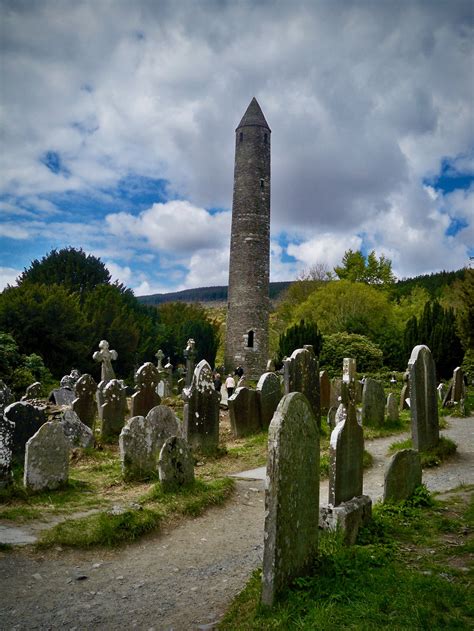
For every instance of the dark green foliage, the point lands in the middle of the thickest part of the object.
(433, 283)
(339, 345)
(297, 336)
(464, 292)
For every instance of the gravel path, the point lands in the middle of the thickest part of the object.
(183, 578)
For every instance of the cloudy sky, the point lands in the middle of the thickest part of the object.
(118, 121)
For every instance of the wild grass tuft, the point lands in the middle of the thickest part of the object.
(445, 449)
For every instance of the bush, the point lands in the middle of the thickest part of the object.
(297, 336)
(368, 355)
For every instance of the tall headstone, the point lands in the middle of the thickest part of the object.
(346, 453)
(6, 451)
(28, 419)
(244, 412)
(349, 380)
(301, 374)
(402, 475)
(201, 410)
(441, 390)
(84, 404)
(405, 393)
(392, 408)
(291, 496)
(373, 403)
(146, 397)
(423, 404)
(336, 391)
(175, 464)
(269, 391)
(190, 357)
(113, 409)
(325, 391)
(457, 393)
(46, 458)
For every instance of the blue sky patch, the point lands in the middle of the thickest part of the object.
(52, 160)
(450, 178)
(457, 224)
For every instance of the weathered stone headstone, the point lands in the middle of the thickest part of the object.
(341, 414)
(46, 458)
(441, 390)
(146, 397)
(62, 396)
(6, 451)
(332, 416)
(346, 453)
(301, 374)
(373, 403)
(325, 391)
(405, 393)
(175, 464)
(105, 356)
(392, 408)
(244, 412)
(402, 475)
(201, 410)
(168, 379)
(113, 409)
(84, 405)
(141, 440)
(291, 496)
(457, 393)
(270, 366)
(336, 389)
(359, 388)
(28, 419)
(190, 357)
(349, 379)
(77, 433)
(33, 391)
(269, 391)
(159, 358)
(423, 404)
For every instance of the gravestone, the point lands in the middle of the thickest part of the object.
(190, 357)
(168, 379)
(77, 433)
(84, 404)
(62, 396)
(402, 475)
(359, 388)
(301, 374)
(392, 408)
(5, 396)
(270, 366)
(244, 412)
(28, 419)
(175, 464)
(113, 409)
(159, 358)
(291, 496)
(423, 404)
(373, 403)
(105, 356)
(46, 458)
(457, 393)
(6, 451)
(201, 410)
(141, 440)
(341, 414)
(33, 391)
(269, 394)
(348, 391)
(325, 391)
(441, 390)
(331, 419)
(146, 397)
(346, 453)
(336, 391)
(405, 393)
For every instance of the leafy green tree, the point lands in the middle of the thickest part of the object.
(368, 355)
(10, 356)
(464, 294)
(373, 271)
(297, 336)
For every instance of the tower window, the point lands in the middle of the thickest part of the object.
(241, 136)
(250, 339)
(265, 138)
(262, 185)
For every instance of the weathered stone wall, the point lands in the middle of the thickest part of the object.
(249, 273)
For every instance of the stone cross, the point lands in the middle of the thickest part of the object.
(160, 357)
(106, 357)
(190, 356)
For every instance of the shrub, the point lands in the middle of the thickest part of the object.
(368, 355)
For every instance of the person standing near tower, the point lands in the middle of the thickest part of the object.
(249, 267)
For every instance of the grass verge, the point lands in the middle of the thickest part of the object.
(445, 449)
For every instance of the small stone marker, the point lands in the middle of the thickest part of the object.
(336, 390)
(46, 458)
(325, 391)
(269, 392)
(175, 464)
(62, 396)
(457, 393)
(332, 416)
(113, 409)
(373, 403)
(201, 410)
(346, 453)
(7, 429)
(392, 408)
(146, 397)
(301, 374)
(33, 391)
(423, 404)
(28, 419)
(291, 496)
(84, 404)
(105, 357)
(244, 412)
(441, 390)
(77, 433)
(402, 475)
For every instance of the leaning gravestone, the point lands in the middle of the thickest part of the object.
(373, 403)
(113, 409)
(33, 391)
(28, 419)
(6, 445)
(46, 458)
(402, 475)
(269, 391)
(175, 464)
(392, 408)
(77, 433)
(291, 496)
(423, 404)
(146, 397)
(457, 393)
(301, 374)
(84, 404)
(325, 391)
(201, 410)
(244, 412)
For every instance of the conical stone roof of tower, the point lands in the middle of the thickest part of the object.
(253, 116)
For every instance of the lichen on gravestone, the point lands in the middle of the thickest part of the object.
(46, 458)
(402, 475)
(175, 464)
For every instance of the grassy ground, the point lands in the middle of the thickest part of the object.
(410, 570)
(430, 458)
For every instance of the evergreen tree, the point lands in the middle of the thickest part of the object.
(297, 336)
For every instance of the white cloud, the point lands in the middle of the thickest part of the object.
(327, 248)
(8, 276)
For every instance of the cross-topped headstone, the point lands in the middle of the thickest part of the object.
(160, 357)
(106, 357)
(113, 409)
(190, 356)
(146, 397)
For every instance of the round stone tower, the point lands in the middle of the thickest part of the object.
(249, 270)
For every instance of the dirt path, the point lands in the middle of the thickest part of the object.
(181, 579)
